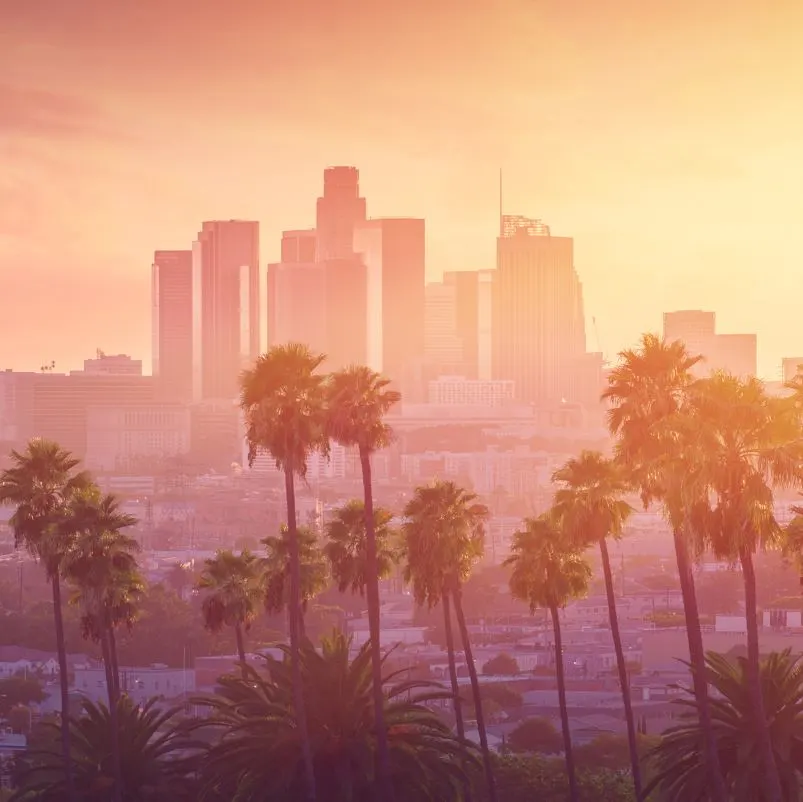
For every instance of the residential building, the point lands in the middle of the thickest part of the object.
(225, 262)
(172, 324)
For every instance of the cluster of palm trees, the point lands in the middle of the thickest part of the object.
(710, 452)
(78, 535)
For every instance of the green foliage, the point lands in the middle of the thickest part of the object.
(680, 772)
(536, 734)
(158, 758)
(503, 665)
(257, 751)
(232, 587)
(19, 690)
(609, 751)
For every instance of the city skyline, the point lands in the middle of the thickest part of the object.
(676, 176)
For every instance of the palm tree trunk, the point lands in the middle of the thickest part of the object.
(773, 788)
(622, 667)
(475, 692)
(564, 709)
(458, 707)
(115, 665)
(117, 791)
(372, 592)
(694, 634)
(238, 634)
(64, 684)
(295, 616)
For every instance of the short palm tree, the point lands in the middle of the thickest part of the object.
(232, 584)
(275, 566)
(284, 400)
(359, 400)
(346, 546)
(590, 504)
(659, 447)
(680, 771)
(548, 571)
(159, 760)
(443, 538)
(40, 484)
(258, 755)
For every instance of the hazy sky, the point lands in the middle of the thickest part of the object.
(665, 137)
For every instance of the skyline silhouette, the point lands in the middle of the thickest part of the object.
(661, 140)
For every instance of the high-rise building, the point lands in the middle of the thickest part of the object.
(443, 348)
(225, 262)
(296, 294)
(538, 325)
(346, 316)
(172, 323)
(734, 353)
(111, 365)
(467, 294)
(339, 210)
(485, 324)
(393, 251)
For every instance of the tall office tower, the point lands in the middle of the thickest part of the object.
(485, 280)
(443, 348)
(225, 263)
(394, 255)
(296, 294)
(466, 285)
(172, 326)
(538, 323)
(693, 327)
(346, 318)
(339, 210)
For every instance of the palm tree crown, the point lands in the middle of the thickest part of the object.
(346, 546)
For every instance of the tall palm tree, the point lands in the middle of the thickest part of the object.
(102, 566)
(40, 483)
(444, 536)
(752, 444)
(275, 567)
(346, 546)
(284, 400)
(680, 771)
(257, 754)
(233, 588)
(359, 399)
(548, 572)
(648, 392)
(590, 504)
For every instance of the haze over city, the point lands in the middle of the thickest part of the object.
(662, 138)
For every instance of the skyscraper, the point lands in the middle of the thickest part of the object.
(538, 326)
(172, 326)
(225, 263)
(693, 327)
(393, 252)
(296, 294)
(339, 210)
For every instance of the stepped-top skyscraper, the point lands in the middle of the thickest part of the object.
(538, 327)
(338, 212)
(225, 263)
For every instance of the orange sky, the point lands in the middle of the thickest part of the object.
(665, 137)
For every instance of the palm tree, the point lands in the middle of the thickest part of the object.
(649, 396)
(284, 401)
(346, 547)
(41, 483)
(232, 583)
(158, 758)
(102, 566)
(751, 444)
(258, 755)
(359, 399)
(590, 505)
(275, 567)
(444, 536)
(548, 572)
(680, 770)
